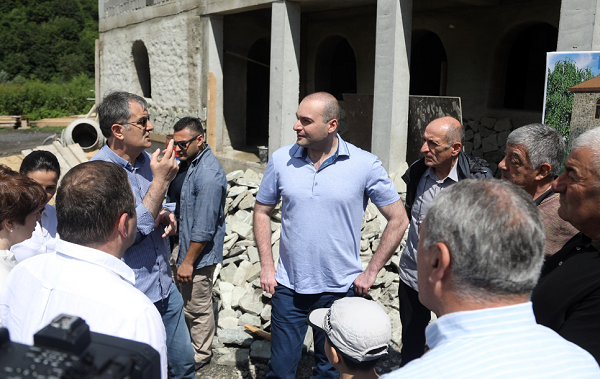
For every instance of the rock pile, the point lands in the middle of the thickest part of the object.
(238, 297)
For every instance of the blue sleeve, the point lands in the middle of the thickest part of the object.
(145, 221)
(210, 189)
(268, 192)
(380, 187)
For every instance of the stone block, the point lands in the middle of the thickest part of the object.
(477, 153)
(235, 251)
(476, 141)
(474, 124)
(251, 303)
(237, 294)
(399, 183)
(228, 272)
(307, 345)
(252, 175)
(228, 313)
(247, 182)
(502, 137)
(275, 251)
(260, 350)
(241, 273)
(227, 322)
(246, 243)
(493, 157)
(226, 290)
(230, 240)
(236, 260)
(235, 337)
(249, 319)
(234, 175)
(266, 312)
(243, 216)
(488, 122)
(275, 236)
(238, 358)
(247, 202)
(364, 245)
(503, 125)
(490, 143)
(241, 228)
(253, 254)
(469, 134)
(485, 132)
(254, 272)
(468, 147)
(236, 191)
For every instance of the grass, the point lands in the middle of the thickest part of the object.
(50, 129)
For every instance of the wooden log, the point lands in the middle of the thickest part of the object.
(258, 332)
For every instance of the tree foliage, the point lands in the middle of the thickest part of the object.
(559, 100)
(49, 40)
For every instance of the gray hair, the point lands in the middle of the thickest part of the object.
(114, 109)
(495, 236)
(544, 144)
(590, 140)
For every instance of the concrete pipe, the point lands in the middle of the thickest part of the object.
(85, 132)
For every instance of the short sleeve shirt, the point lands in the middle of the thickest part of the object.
(322, 212)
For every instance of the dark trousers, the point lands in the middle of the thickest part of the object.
(288, 328)
(414, 317)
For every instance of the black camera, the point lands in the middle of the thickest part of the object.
(67, 349)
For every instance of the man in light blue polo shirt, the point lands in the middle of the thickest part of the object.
(325, 184)
(479, 258)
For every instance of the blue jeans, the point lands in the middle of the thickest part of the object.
(180, 353)
(288, 328)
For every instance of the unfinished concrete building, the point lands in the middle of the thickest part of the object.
(242, 65)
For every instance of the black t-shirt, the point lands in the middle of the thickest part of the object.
(174, 191)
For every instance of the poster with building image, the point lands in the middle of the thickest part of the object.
(572, 92)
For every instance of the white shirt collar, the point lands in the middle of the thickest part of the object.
(96, 257)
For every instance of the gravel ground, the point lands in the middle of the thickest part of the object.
(12, 142)
(258, 369)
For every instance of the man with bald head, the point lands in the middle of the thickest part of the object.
(324, 184)
(442, 165)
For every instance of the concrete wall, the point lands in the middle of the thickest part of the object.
(477, 42)
(174, 52)
(584, 110)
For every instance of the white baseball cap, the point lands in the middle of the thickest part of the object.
(357, 327)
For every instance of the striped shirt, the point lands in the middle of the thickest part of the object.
(504, 342)
(149, 255)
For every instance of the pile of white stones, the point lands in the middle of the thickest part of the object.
(238, 297)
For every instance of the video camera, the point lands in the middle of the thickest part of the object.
(67, 349)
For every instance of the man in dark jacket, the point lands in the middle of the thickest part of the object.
(442, 165)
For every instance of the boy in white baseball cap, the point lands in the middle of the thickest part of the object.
(358, 333)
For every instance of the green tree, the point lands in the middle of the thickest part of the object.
(559, 100)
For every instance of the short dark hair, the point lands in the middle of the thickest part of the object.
(19, 196)
(192, 123)
(40, 160)
(352, 364)
(114, 109)
(90, 201)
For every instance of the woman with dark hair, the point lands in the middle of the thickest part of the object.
(41, 166)
(21, 202)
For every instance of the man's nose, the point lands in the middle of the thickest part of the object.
(149, 126)
(424, 148)
(502, 164)
(297, 126)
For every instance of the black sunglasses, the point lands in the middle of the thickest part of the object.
(141, 124)
(183, 144)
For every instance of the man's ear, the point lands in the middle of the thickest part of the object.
(439, 261)
(117, 131)
(200, 140)
(335, 356)
(123, 225)
(332, 126)
(456, 146)
(543, 171)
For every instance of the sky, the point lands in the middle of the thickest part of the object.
(582, 59)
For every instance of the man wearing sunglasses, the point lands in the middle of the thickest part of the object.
(199, 190)
(124, 121)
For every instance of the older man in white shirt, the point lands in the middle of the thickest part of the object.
(85, 277)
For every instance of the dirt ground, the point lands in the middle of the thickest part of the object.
(12, 142)
(258, 369)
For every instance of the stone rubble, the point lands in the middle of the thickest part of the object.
(237, 294)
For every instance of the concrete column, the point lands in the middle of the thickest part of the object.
(285, 73)
(215, 123)
(392, 79)
(579, 26)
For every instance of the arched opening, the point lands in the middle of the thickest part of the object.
(597, 113)
(428, 65)
(142, 67)
(335, 70)
(526, 66)
(257, 93)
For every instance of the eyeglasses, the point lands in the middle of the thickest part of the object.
(183, 144)
(141, 124)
